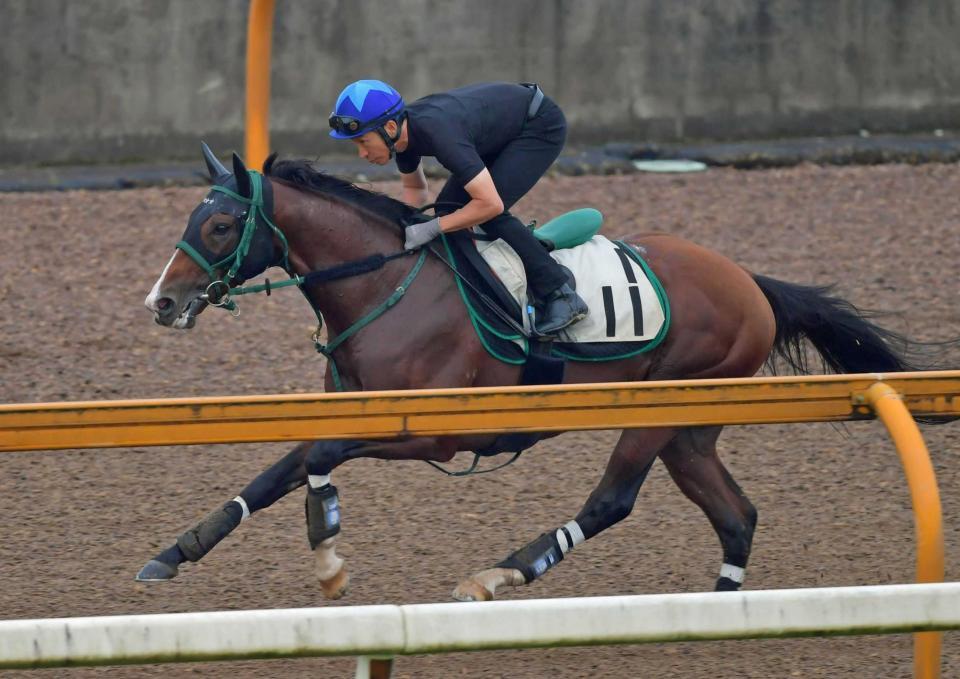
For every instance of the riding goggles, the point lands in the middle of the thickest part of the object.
(344, 124)
(349, 125)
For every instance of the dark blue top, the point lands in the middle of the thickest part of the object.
(465, 128)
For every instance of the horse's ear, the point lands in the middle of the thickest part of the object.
(243, 179)
(218, 171)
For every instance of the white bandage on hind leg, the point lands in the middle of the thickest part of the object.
(243, 506)
(734, 573)
(318, 480)
(569, 536)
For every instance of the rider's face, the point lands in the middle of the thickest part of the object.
(371, 147)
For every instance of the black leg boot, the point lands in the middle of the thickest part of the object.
(563, 307)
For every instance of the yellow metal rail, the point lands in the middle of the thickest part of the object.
(102, 424)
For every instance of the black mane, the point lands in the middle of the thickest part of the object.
(302, 174)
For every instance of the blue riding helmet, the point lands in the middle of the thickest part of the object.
(364, 106)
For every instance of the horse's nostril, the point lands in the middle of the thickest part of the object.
(164, 303)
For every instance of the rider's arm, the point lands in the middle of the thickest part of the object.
(485, 204)
(414, 187)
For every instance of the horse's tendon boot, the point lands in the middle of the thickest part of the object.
(197, 541)
(323, 514)
(536, 558)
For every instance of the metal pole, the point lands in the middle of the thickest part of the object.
(928, 519)
(257, 128)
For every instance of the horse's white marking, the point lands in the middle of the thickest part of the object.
(734, 573)
(318, 480)
(491, 579)
(328, 563)
(243, 505)
(154, 296)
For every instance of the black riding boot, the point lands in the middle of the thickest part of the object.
(547, 280)
(563, 307)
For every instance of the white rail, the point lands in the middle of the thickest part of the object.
(439, 628)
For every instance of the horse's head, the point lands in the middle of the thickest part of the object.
(228, 240)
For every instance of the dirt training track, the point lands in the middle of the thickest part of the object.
(834, 507)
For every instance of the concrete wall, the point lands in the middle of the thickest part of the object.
(113, 80)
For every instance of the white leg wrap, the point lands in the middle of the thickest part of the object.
(565, 546)
(318, 480)
(576, 536)
(243, 505)
(734, 573)
(574, 529)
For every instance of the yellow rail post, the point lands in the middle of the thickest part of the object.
(256, 125)
(921, 479)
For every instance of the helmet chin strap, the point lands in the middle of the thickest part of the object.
(392, 141)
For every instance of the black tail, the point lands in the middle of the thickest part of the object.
(844, 336)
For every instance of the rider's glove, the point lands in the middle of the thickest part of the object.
(421, 234)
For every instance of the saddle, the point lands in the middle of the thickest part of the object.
(629, 309)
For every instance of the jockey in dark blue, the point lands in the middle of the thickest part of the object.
(496, 139)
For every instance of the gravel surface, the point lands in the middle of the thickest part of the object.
(834, 507)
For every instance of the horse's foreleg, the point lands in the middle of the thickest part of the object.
(611, 501)
(323, 502)
(271, 485)
(693, 463)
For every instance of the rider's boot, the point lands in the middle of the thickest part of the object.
(563, 307)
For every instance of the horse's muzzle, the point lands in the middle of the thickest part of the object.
(167, 314)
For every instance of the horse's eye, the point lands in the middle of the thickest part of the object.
(221, 229)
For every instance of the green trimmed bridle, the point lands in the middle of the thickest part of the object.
(235, 260)
(232, 262)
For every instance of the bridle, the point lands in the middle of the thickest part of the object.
(218, 293)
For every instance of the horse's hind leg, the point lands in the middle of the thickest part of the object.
(692, 461)
(611, 501)
(271, 485)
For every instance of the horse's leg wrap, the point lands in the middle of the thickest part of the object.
(199, 540)
(536, 558)
(731, 577)
(323, 514)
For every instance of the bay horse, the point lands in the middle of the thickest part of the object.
(726, 322)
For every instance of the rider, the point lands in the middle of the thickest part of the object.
(496, 139)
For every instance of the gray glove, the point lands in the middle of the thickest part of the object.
(421, 234)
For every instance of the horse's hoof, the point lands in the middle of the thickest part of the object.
(471, 590)
(157, 571)
(337, 586)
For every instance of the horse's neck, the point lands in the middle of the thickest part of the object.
(324, 233)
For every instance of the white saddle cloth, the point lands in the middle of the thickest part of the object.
(623, 304)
